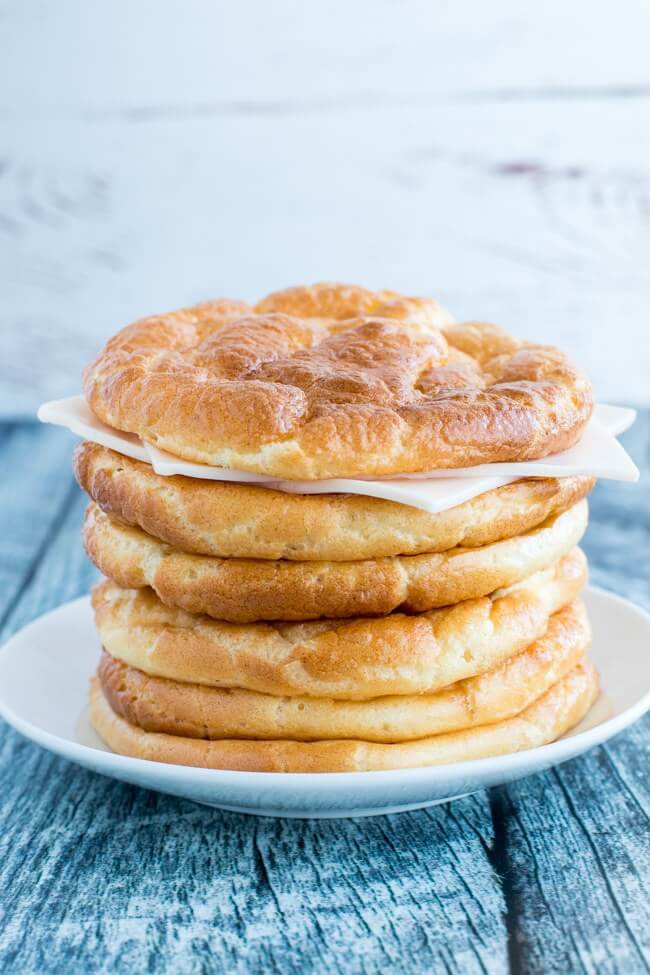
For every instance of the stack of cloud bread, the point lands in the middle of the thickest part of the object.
(248, 628)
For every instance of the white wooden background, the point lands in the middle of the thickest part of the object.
(158, 152)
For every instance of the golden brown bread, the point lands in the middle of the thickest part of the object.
(245, 521)
(546, 719)
(197, 711)
(345, 660)
(336, 380)
(245, 590)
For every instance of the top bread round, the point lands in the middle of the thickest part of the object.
(336, 381)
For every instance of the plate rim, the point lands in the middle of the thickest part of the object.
(552, 753)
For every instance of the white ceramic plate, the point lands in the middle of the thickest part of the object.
(44, 673)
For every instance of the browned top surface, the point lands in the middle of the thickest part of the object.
(336, 380)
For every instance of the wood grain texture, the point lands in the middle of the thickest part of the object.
(494, 156)
(574, 844)
(151, 160)
(548, 875)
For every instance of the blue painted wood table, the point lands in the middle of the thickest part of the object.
(551, 874)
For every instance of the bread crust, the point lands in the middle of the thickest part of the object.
(356, 659)
(335, 380)
(195, 711)
(246, 590)
(547, 718)
(245, 521)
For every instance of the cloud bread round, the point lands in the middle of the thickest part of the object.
(546, 719)
(348, 660)
(239, 520)
(336, 380)
(245, 590)
(195, 711)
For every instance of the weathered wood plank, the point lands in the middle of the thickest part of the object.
(577, 861)
(36, 489)
(618, 538)
(106, 877)
(575, 843)
(63, 571)
(99, 876)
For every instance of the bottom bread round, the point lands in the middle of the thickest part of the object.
(549, 716)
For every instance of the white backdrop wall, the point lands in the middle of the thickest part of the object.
(157, 153)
